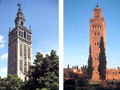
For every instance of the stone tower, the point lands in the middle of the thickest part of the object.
(97, 30)
(19, 47)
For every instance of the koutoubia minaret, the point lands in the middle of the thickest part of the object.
(97, 30)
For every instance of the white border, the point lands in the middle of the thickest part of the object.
(60, 44)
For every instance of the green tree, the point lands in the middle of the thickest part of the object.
(90, 68)
(68, 66)
(12, 82)
(2, 84)
(84, 68)
(69, 84)
(77, 67)
(53, 73)
(44, 73)
(102, 62)
(82, 82)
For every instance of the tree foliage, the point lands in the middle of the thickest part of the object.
(12, 82)
(77, 67)
(68, 66)
(84, 69)
(90, 68)
(102, 62)
(44, 73)
(69, 84)
(82, 82)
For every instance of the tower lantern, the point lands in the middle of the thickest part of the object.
(97, 12)
(20, 19)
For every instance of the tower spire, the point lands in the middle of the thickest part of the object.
(19, 5)
(20, 19)
(97, 4)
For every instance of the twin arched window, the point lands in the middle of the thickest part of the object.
(96, 34)
(96, 58)
(96, 43)
(96, 26)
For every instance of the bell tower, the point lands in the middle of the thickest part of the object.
(97, 30)
(19, 47)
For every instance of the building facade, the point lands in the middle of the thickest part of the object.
(19, 47)
(97, 30)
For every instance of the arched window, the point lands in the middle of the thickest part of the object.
(21, 23)
(19, 33)
(95, 33)
(95, 43)
(24, 34)
(95, 26)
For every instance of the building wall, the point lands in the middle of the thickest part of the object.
(24, 58)
(113, 74)
(77, 71)
(110, 74)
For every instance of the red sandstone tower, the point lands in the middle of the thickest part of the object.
(97, 30)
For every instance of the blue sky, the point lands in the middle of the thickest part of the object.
(42, 15)
(76, 31)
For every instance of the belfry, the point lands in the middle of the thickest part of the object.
(19, 47)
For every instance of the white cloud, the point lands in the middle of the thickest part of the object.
(44, 54)
(2, 39)
(4, 70)
(4, 56)
(1, 45)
